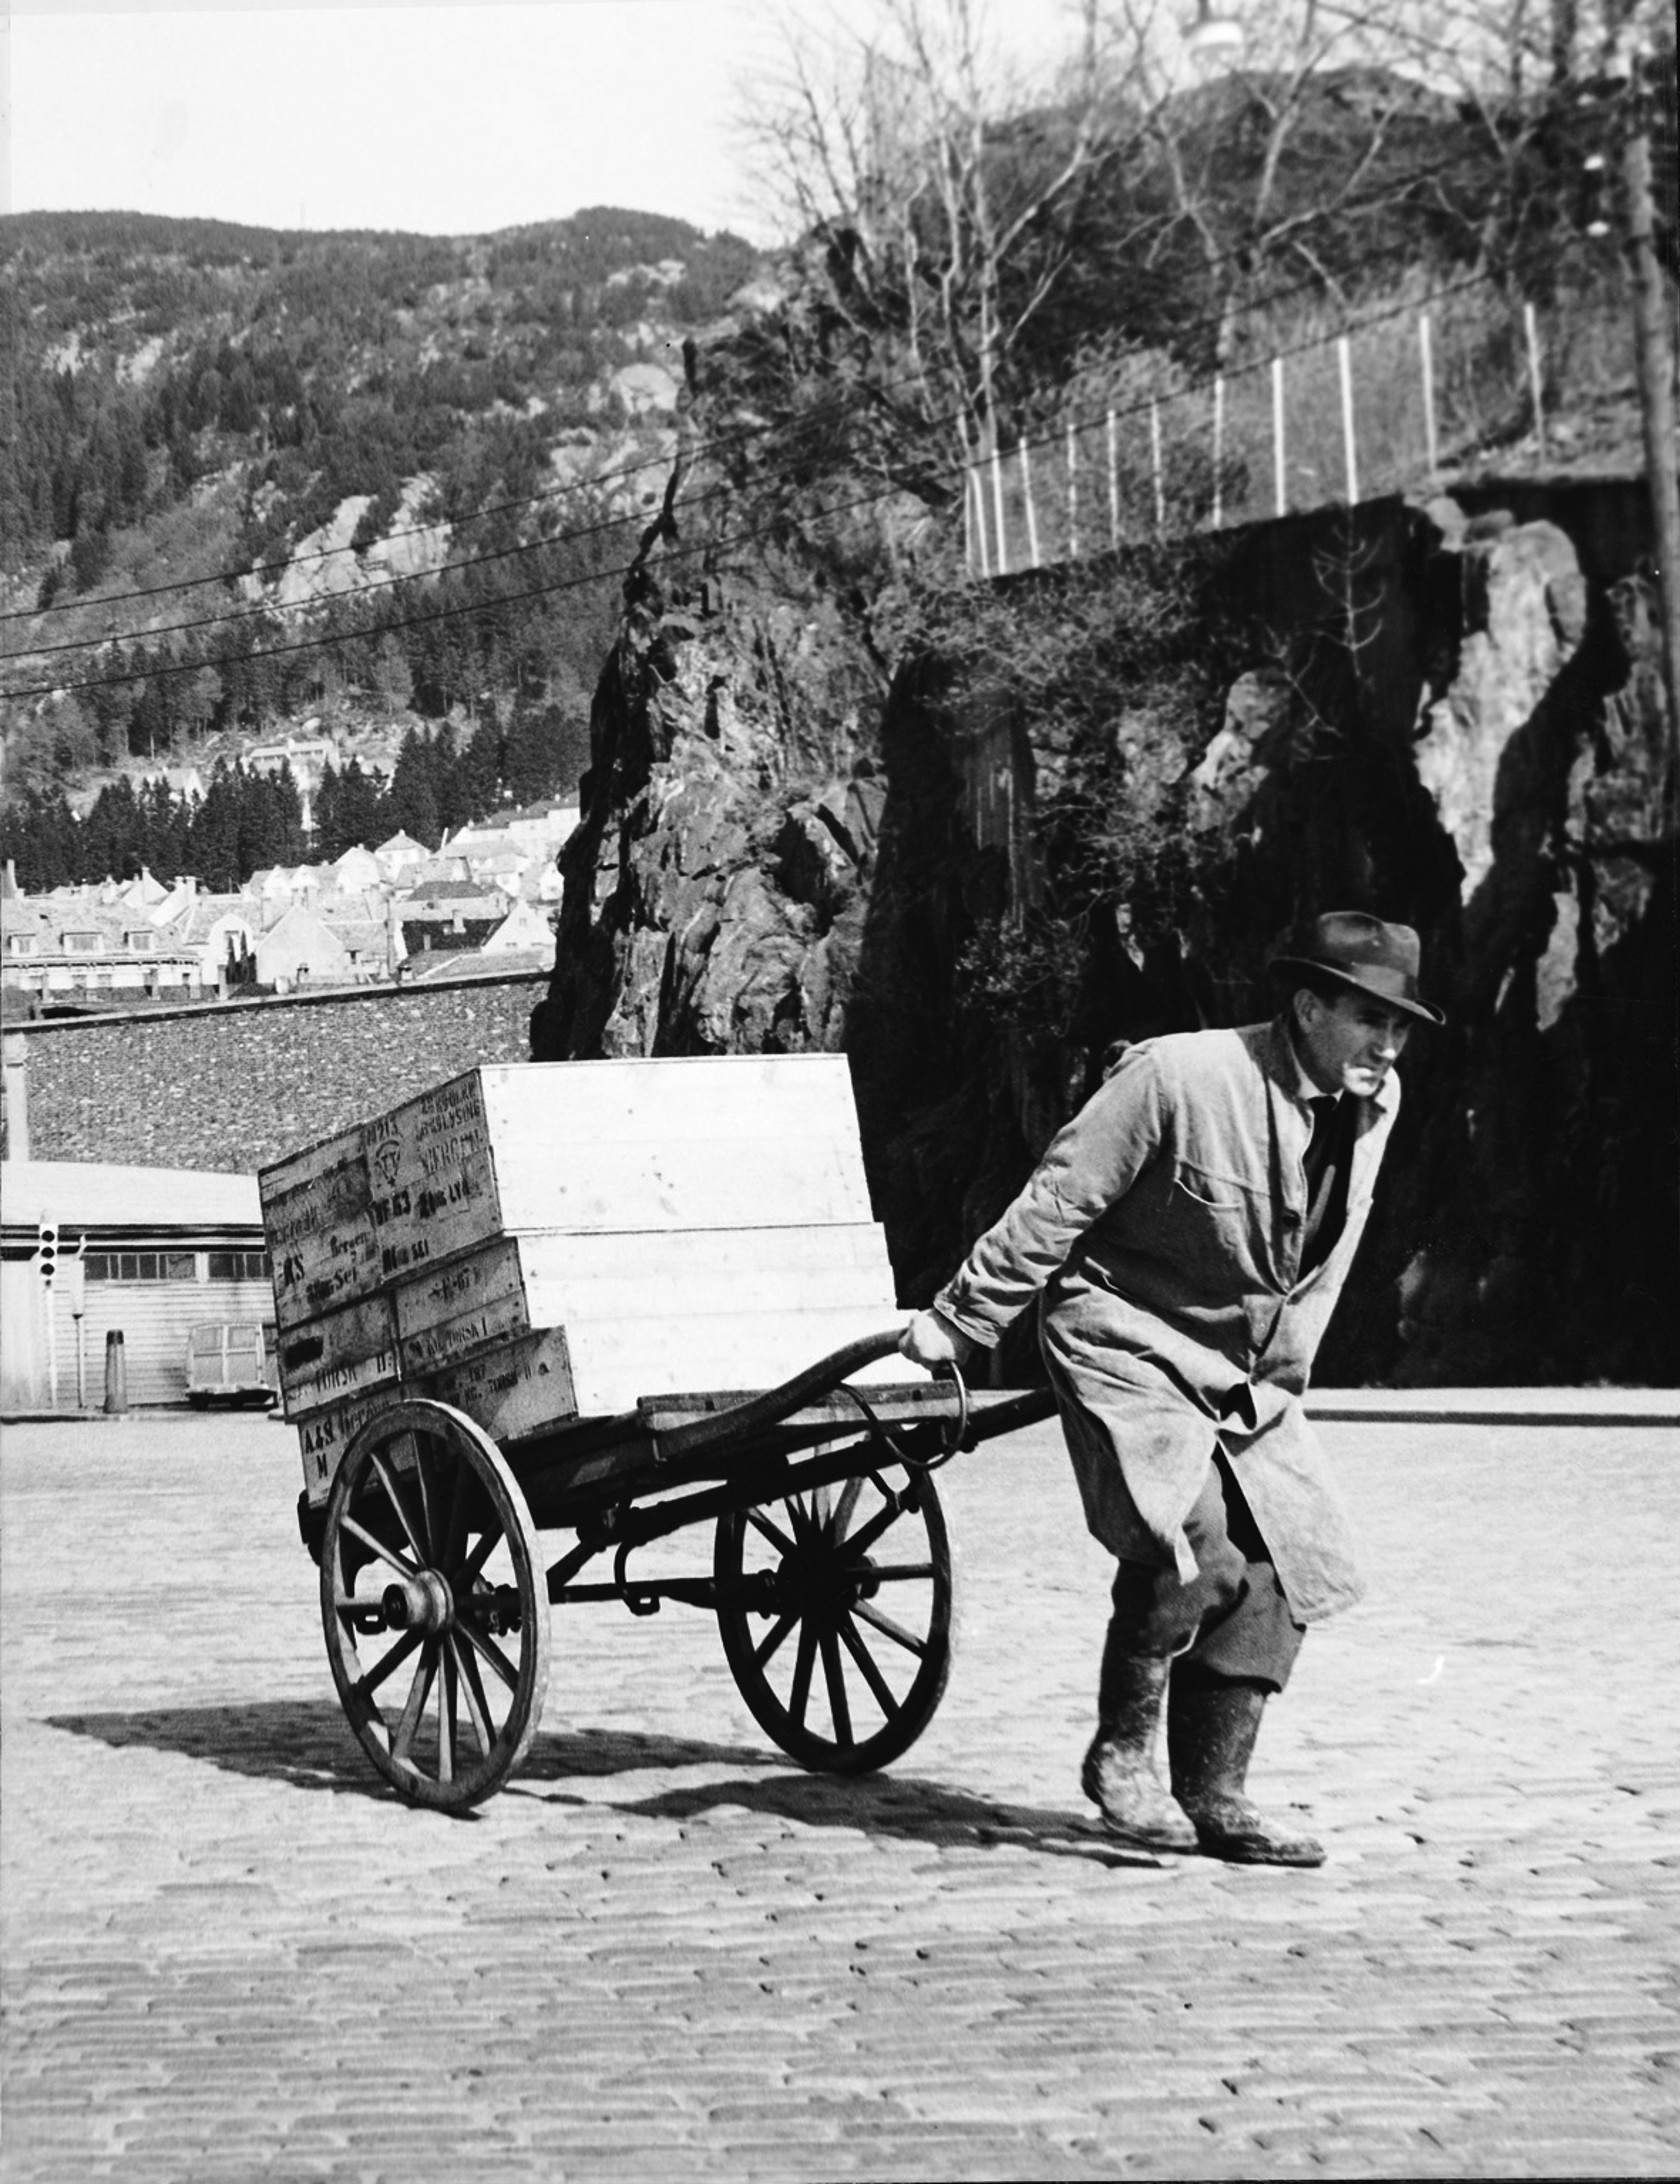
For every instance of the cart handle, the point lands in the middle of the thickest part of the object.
(775, 1404)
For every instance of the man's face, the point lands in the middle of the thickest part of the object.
(1349, 1044)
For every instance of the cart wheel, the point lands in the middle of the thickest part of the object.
(435, 1605)
(836, 1614)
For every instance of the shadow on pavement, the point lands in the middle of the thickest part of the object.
(307, 1744)
(907, 1806)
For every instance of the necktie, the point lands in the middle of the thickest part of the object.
(1322, 1142)
(1320, 1233)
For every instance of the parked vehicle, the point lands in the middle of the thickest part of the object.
(229, 1363)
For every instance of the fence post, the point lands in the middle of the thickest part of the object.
(1531, 333)
(997, 505)
(1426, 360)
(1155, 462)
(1113, 488)
(1073, 494)
(1032, 513)
(1279, 466)
(1218, 449)
(116, 1372)
(1344, 358)
(968, 510)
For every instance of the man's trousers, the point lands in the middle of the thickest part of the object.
(1231, 1620)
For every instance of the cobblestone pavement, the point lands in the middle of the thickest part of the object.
(664, 1951)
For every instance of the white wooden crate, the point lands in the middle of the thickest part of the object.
(546, 1240)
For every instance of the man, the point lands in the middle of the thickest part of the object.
(1191, 1230)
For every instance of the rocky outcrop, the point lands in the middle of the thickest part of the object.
(717, 887)
(790, 840)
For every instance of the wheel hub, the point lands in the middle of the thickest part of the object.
(825, 1585)
(422, 1602)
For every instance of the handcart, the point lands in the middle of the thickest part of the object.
(473, 1291)
(830, 1571)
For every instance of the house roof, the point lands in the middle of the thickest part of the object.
(303, 922)
(199, 918)
(90, 1195)
(432, 897)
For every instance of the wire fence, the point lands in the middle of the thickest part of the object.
(1396, 402)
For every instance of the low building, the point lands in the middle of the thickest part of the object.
(161, 1251)
(301, 948)
(524, 932)
(72, 947)
(450, 916)
(357, 872)
(399, 858)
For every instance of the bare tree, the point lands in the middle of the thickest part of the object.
(950, 187)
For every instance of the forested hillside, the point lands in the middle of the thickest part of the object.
(241, 462)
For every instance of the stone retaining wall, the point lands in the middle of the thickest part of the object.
(234, 1087)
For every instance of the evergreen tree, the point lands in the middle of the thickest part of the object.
(39, 837)
(478, 770)
(413, 797)
(213, 838)
(113, 833)
(362, 813)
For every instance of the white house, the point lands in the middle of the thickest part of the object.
(524, 931)
(400, 856)
(302, 948)
(358, 871)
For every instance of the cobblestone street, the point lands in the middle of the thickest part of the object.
(230, 1953)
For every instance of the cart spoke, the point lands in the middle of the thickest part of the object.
(800, 1696)
(895, 1631)
(397, 1503)
(446, 1717)
(478, 1709)
(432, 1542)
(398, 1561)
(867, 1534)
(491, 1653)
(834, 1676)
(868, 1667)
(417, 1695)
(467, 1576)
(455, 1532)
(845, 1509)
(899, 1573)
(773, 1533)
(365, 1686)
(762, 1653)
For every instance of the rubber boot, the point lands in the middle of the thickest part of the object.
(1119, 1774)
(1212, 1723)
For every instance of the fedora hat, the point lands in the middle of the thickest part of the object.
(1360, 951)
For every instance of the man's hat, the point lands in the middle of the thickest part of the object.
(1357, 950)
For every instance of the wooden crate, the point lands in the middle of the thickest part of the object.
(549, 1240)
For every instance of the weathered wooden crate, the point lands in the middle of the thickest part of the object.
(542, 1241)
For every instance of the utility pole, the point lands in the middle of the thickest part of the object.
(1655, 361)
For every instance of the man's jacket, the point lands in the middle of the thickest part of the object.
(1164, 1229)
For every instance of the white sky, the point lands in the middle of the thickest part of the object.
(445, 119)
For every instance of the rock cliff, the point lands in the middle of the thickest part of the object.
(799, 834)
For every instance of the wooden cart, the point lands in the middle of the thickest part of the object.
(830, 1571)
(484, 1301)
